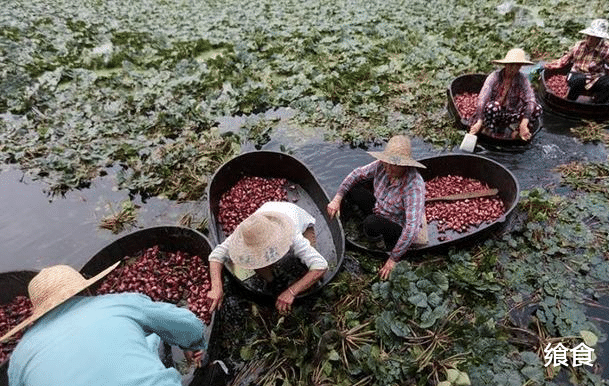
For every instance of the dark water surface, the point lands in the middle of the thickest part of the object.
(37, 231)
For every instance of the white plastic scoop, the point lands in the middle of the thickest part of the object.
(469, 143)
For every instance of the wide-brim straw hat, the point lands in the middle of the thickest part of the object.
(51, 287)
(397, 152)
(598, 28)
(261, 240)
(514, 56)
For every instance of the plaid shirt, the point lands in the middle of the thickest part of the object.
(592, 62)
(402, 201)
(520, 96)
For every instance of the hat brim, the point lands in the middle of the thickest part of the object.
(503, 61)
(396, 160)
(274, 248)
(595, 33)
(31, 319)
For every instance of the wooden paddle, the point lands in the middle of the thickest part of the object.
(463, 196)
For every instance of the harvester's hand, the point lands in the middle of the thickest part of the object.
(334, 206)
(215, 295)
(193, 357)
(387, 268)
(476, 127)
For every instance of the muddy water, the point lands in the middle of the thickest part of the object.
(37, 231)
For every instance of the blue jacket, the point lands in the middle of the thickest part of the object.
(102, 340)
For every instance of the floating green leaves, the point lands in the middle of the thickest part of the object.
(108, 80)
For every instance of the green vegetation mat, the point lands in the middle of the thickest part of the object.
(140, 86)
(481, 316)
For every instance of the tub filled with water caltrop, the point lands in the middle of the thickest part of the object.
(451, 220)
(166, 263)
(243, 184)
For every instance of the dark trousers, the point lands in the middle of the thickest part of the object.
(577, 85)
(375, 226)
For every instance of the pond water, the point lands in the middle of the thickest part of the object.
(37, 230)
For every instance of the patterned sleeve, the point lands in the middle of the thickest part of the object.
(528, 95)
(359, 174)
(414, 205)
(605, 56)
(484, 96)
(564, 60)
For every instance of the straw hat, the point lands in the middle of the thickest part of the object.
(514, 56)
(598, 28)
(53, 286)
(397, 152)
(261, 240)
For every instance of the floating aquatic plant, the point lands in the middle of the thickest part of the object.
(121, 219)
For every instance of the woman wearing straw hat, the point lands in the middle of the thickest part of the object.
(92, 340)
(396, 208)
(589, 62)
(506, 99)
(261, 241)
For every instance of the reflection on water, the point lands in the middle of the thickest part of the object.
(37, 231)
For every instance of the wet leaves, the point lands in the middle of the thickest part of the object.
(91, 78)
(123, 218)
(486, 311)
(139, 88)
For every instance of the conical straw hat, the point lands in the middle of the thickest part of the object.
(514, 56)
(53, 286)
(397, 152)
(261, 240)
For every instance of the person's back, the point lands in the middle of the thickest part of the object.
(102, 340)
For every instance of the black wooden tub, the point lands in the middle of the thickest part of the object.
(12, 284)
(466, 165)
(581, 108)
(169, 239)
(472, 83)
(306, 192)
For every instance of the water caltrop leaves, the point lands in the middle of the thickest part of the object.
(138, 88)
(89, 76)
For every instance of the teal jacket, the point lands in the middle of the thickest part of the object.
(103, 340)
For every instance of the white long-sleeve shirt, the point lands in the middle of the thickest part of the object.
(301, 247)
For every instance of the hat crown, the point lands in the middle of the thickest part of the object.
(260, 240)
(516, 53)
(514, 56)
(54, 284)
(397, 152)
(598, 27)
(398, 145)
(253, 230)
